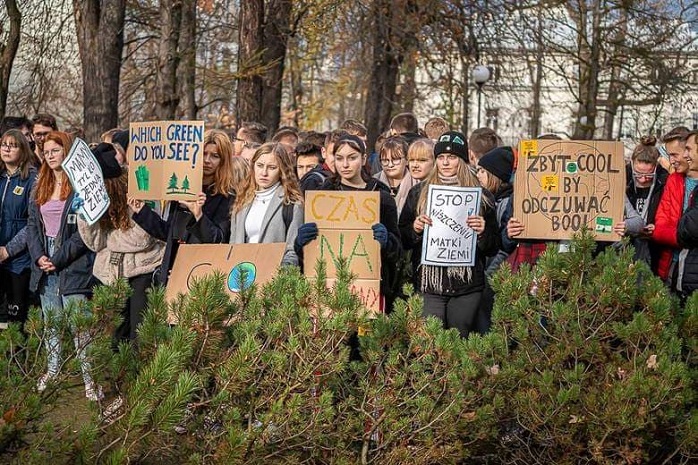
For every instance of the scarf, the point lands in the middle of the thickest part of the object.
(448, 180)
(405, 185)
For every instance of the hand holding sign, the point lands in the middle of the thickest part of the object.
(420, 222)
(514, 228)
(195, 206)
(476, 223)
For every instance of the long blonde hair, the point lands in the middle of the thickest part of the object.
(466, 178)
(289, 181)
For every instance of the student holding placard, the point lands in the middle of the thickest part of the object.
(123, 249)
(200, 221)
(17, 175)
(349, 158)
(268, 209)
(61, 262)
(451, 293)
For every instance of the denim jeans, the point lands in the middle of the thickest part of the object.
(53, 308)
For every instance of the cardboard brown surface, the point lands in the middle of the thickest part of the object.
(560, 186)
(342, 209)
(166, 160)
(344, 220)
(357, 246)
(197, 260)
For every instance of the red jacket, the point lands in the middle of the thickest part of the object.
(666, 221)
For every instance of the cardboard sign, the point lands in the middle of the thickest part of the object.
(242, 265)
(344, 222)
(449, 241)
(87, 180)
(166, 160)
(562, 186)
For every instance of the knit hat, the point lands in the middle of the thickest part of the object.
(354, 139)
(106, 157)
(499, 161)
(121, 138)
(452, 142)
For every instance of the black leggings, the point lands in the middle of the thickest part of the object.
(132, 312)
(456, 312)
(14, 290)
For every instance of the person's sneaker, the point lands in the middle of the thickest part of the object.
(93, 393)
(43, 381)
(4, 325)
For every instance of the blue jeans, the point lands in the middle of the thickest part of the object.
(53, 308)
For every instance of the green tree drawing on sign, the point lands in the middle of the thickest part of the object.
(173, 182)
(185, 183)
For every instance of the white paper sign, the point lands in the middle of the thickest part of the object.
(85, 176)
(449, 241)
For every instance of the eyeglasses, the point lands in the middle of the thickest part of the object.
(638, 175)
(9, 146)
(391, 161)
(53, 152)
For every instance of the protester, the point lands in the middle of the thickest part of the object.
(249, 133)
(17, 176)
(42, 125)
(481, 141)
(673, 203)
(123, 249)
(436, 127)
(61, 262)
(646, 180)
(350, 157)
(204, 220)
(451, 293)
(405, 125)
(25, 126)
(395, 175)
(309, 167)
(685, 275)
(288, 136)
(420, 159)
(269, 208)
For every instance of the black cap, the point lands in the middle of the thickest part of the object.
(106, 157)
(452, 142)
(499, 161)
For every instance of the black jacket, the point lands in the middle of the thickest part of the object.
(314, 179)
(686, 270)
(72, 259)
(487, 245)
(181, 228)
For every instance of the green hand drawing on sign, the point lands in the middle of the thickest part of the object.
(143, 178)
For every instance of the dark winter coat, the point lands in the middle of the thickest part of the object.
(72, 258)
(180, 227)
(502, 200)
(686, 272)
(314, 179)
(644, 248)
(487, 245)
(14, 214)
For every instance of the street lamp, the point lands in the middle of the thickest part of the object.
(481, 74)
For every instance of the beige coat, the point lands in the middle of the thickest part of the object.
(121, 254)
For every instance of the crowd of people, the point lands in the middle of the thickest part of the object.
(253, 192)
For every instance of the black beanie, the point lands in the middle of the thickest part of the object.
(106, 157)
(499, 161)
(452, 142)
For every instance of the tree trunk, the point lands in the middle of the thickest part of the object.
(589, 47)
(249, 88)
(100, 31)
(168, 60)
(187, 64)
(537, 76)
(276, 33)
(8, 51)
(408, 91)
(384, 72)
(615, 87)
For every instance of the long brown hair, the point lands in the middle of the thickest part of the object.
(289, 181)
(466, 178)
(117, 215)
(223, 182)
(47, 179)
(26, 156)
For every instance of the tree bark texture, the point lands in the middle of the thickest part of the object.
(276, 34)
(100, 31)
(589, 46)
(249, 88)
(187, 64)
(384, 72)
(8, 51)
(168, 60)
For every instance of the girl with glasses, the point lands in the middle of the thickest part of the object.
(395, 175)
